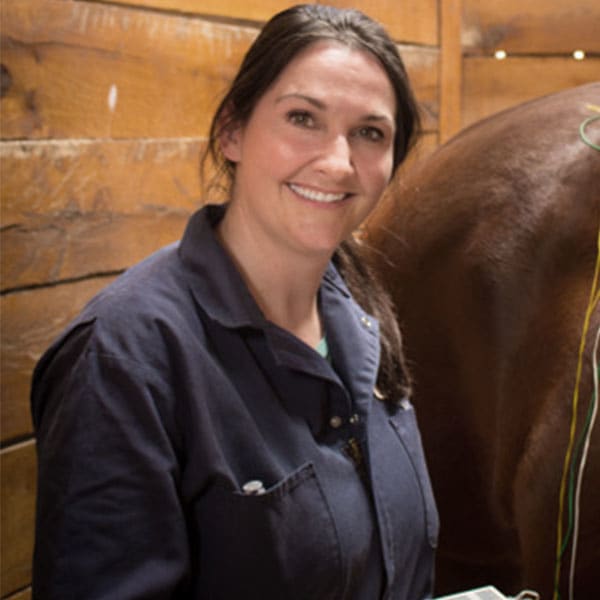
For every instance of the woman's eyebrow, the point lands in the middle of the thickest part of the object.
(316, 103)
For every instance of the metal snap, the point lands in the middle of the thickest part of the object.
(335, 421)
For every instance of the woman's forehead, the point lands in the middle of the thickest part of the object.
(330, 69)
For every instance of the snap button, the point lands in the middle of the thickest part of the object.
(354, 419)
(365, 321)
(335, 421)
(254, 487)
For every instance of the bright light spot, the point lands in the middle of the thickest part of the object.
(579, 55)
(500, 54)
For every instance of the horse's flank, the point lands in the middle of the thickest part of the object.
(488, 248)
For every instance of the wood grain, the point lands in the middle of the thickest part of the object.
(535, 27)
(24, 594)
(423, 68)
(247, 10)
(83, 70)
(74, 208)
(87, 70)
(413, 21)
(450, 69)
(18, 476)
(491, 85)
(407, 21)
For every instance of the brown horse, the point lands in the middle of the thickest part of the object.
(489, 249)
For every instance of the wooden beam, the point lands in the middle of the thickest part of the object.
(534, 27)
(20, 595)
(72, 208)
(246, 10)
(451, 68)
(491, 85)
(18, 475)
(412, 21)
(422, 66)
(89, 70)
(407, 21)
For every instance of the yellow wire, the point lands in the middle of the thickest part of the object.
(594, 298)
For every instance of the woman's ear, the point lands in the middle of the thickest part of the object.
(230, 138)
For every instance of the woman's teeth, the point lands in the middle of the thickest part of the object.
(316, 196)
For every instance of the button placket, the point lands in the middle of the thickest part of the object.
(336, 421)
(339, 410)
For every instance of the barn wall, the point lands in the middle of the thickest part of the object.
(104, 111)
(539, 37)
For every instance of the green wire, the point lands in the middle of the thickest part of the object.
(583, 135)
(572, 472)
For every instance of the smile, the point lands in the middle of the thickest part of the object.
(316, 196)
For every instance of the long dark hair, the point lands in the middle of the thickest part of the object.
(280, 40)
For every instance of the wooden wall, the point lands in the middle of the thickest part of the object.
(104, 111)
(539, 37)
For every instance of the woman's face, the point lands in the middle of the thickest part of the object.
(317, 152)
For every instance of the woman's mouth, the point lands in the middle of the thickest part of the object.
(316, 196)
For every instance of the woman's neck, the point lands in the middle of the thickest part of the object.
(285, 285)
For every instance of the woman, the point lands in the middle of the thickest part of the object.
(223, 421)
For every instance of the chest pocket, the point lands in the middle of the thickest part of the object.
(281, 544)
(404, 423)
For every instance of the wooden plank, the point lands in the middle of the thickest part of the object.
(247, 10)
(413, 21)
(407, 21)
(422, 66)
(71, 177)
(21, 595)
(81, 69)
(451, 69)
(491, 85)
(63, 248)
(30, 321)
(18, 476)
(73, 208)
(533, 27)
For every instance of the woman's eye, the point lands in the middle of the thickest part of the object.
(372, 134)
(301, 118)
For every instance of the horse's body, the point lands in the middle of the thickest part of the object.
(488, 248)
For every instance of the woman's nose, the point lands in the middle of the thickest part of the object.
(336, 158)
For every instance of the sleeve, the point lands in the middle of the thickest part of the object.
(109, 520)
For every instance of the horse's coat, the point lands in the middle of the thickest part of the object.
(488, 248)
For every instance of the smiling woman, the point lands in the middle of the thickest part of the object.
(230, 418)
(309, 168)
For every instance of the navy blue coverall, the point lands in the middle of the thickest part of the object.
(169, 393)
